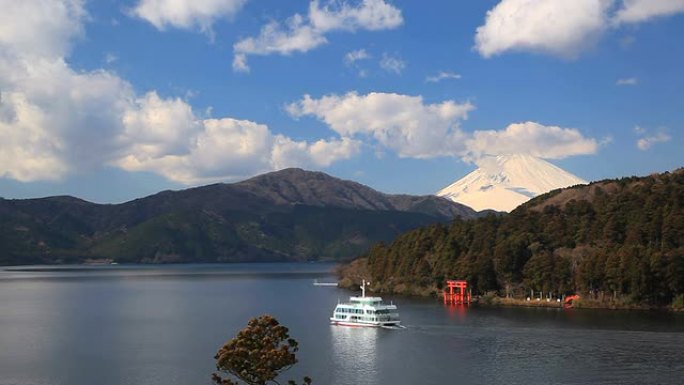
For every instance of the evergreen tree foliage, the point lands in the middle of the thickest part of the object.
(258, 354)
(620, 238)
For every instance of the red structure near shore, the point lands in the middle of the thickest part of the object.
(457, 293)
(569, 300)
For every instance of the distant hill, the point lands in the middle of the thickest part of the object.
(286, 215)
(618, 239)
(504, 182)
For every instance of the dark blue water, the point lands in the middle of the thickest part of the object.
(162, 325)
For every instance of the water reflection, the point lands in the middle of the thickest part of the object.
(457, 312)
(162, 325)
(355, 353)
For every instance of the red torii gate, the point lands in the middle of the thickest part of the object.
(457, 294)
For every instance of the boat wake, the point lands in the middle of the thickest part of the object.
(393, 327)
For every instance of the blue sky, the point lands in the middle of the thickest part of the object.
(113, 100)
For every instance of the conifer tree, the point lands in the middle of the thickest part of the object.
(257, 355)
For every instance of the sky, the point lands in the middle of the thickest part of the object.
(112, 100)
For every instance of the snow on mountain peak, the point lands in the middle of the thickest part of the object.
(504, 182)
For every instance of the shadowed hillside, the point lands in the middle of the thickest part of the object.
(287, 215)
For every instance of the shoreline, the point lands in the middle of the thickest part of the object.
(498, 301)
(579, 304)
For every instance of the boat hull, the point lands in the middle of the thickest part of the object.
(363, 324)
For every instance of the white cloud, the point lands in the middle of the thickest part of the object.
(549, 142)
(561, 28)
(55, 121)
(165, 137)
(155, 127)
(627, 82)
(605, 141)
(44, 29)
(64, 118)
(27, 149)
(442, 76)
(296, 36)
(372, 15)
(240, 63)
(186, 14)
(322, 153)
(411, 128)
(303, 33)
(353, 56)
(636, 11)
(392, 64)
(648, 140)
(217, 149)
(402, 123)
(110, 58)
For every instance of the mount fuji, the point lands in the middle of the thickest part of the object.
(504, 182)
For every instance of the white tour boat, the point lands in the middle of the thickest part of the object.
(365, 311)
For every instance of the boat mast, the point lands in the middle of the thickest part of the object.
(363, 289)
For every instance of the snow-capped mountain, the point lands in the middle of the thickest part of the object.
(504, 182)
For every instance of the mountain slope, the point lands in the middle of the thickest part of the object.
(504, 182)
(297, 186)
(611, 240)
(287, 215)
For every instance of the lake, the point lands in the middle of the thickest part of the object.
(148, 325)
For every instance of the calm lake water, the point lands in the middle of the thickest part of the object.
(147, 325)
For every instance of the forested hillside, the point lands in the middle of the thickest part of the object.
(289, 215)
(617, 239)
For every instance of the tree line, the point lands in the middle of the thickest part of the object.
(619, 238)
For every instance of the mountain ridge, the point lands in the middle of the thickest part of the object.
(348, 194)
(290, 214)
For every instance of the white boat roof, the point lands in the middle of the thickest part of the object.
(366, 299)
(370, 302)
